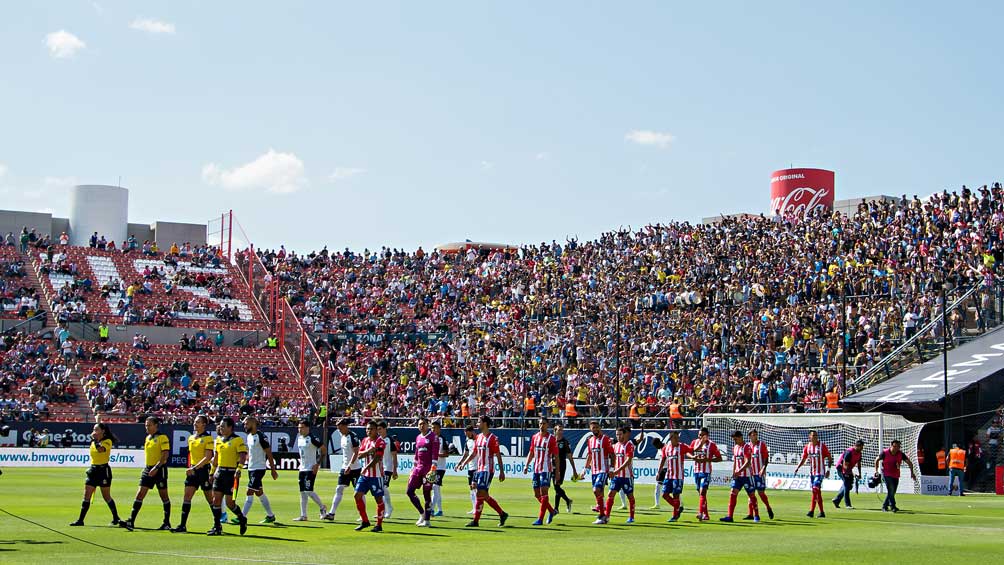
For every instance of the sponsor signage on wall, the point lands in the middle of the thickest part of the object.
(796, 192)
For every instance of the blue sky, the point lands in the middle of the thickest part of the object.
(404, 123)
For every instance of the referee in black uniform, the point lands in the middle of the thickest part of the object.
(564, 454)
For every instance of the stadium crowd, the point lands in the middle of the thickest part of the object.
(748, 313)
(32, 375)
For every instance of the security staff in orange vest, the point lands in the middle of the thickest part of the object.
(956, 469)
(832, 400)
(675, 415)
(570, 412)
(942, 460)
(529, 406)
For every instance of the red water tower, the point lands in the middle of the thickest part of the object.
(796, 192)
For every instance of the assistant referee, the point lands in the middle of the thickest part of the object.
(231, 452)
(156, 450)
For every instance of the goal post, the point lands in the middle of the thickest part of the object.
(787, 434)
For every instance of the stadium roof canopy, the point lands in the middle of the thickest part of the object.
(979, 363)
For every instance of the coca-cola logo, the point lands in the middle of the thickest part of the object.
(799, 202)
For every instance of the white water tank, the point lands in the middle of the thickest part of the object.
(98, 208)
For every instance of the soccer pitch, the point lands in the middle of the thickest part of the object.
(928, 530)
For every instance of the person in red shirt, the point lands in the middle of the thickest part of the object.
(850, 458)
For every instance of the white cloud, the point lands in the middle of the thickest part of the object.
(3, 169)
(344, 173)
(542, 156)
(487, 165)
(97, 7)
(63, 44)
(152, 26)
(56, 183)
(648, 137)
(279, 173)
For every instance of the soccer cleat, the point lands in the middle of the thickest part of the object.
(387, 516)
(235, 521)
(215, 532)
(629, 520)
(362, 526)
(748, 517)
(268, 520)
(623, 507)
(115, 522)
(471, 524)
(568, 506)
(756, 519)
(599, 521)
(895, 509)
(438, 513)
(244, 525)
(126, 524)
(770, 512)
(502, 518)
(884, 509)
(551, 515)
(377, 528)
(836, 503)
(849, 507)
(165, 526)
(421, 522)
(595, 509)
(223, 517)
(537, 523)
(656, 507)
(470, 511)
(725, 519)
(329, 517)
(179, 530)
(77, 523)
(300, 519)
(822, 514)
(810, 514)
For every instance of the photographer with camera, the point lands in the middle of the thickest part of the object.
(845, 469)
(891, 459)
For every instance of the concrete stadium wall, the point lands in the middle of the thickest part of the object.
(13, 221)
(98, 208)
(178, 232)
(143, 232)
(159, 335)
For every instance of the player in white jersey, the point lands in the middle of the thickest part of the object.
(350, 465)
(311, 451)
(260, 460)
(389, 465)
(437, 484)
(468, 453)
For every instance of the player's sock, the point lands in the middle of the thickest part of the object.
(247, 504)
(361, 506)
(812, 508)
(266, 505)
(609, 505)
(658, 493)
(303, 503)
(136, 505)
(186, 507)
(415, 502)
(86, 504)
(631, 505)
(337, 499)
(237, 511)
(217, 516)
(427, 496)
(167, 512)
(732, 502)
(495, 505)
(381, 507)
(115, 511)
(474, 500)
(703, 507)
(386, 502)
(317, 499)
(754, 508)
(543, 507)
(763, 497)
(437, 498)
(478, 508)
(623, 498)
(599, 501)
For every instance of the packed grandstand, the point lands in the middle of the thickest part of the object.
(658, 324)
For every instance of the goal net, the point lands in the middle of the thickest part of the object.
(787, 434)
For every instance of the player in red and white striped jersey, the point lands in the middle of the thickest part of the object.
(758, 471)
(671, 460)
(705, 453)
(371, 476)
(815, 452)
(742, 456)
(486, 453)
(599, 452)
(622, 473)
(542, 454)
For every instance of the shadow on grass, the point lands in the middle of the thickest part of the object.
(270, 538)
(422, 534)
(28, 542)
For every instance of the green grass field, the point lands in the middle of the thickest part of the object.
(929, 530)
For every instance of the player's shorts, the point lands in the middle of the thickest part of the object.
(440, 473)
(483, 480)
(159, 481)
(625, 484)
(541, 480)
(417, 478)
(372, 485)
(306, 480)
(759, 482)
(672, 486)
(255, 479)
(98, 476)
(199, 479)
(470, 477)
(739, 483)
(816, 481)
(702, 480)
(599, 480)
(224, 480)
(348, 477)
